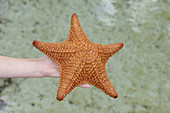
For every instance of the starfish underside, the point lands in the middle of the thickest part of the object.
(80, 61)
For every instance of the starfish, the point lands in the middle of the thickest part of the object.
(80, 61)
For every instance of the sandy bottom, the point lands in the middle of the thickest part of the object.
(139, 72)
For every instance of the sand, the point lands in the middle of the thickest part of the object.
(139, 72)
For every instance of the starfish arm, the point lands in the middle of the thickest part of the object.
(106, 51)
(57, 52)
(70, 71)
(76, 33)
(54, 47)
(110, 48)
(100, 80)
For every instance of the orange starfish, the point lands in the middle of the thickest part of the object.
(80, 61)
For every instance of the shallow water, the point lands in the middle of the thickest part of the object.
(139, 72)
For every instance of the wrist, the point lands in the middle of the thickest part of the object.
(48, 68)
(39, 68)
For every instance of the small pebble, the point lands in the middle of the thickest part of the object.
(2, 104)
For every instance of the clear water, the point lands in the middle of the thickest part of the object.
(139, 72)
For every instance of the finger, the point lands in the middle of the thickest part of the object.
(85, 85)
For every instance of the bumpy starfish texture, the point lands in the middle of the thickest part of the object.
(80, 61)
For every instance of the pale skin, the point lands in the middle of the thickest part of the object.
(29, 68)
